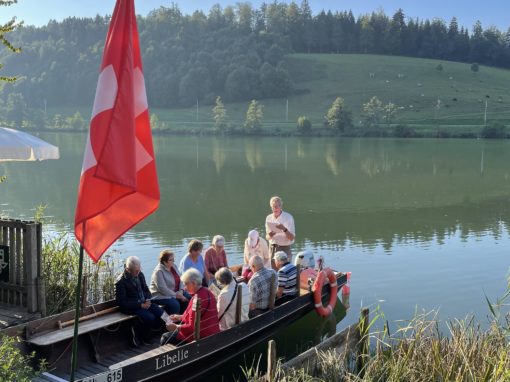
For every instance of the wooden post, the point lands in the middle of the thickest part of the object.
(197, 310)
(272, 295)
(31, 266)
(239, 302)
(298, 280)
(271, 361)
(364, 344)
(41, 295)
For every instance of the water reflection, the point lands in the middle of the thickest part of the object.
(219, 154)
(253, 154)
(353, 199)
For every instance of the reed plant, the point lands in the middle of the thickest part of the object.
(418, 350)
(60, 260)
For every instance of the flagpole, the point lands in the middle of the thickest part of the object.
(77, 311)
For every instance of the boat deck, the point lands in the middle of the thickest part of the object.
(94, 368)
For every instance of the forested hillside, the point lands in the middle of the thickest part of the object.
(235, 52)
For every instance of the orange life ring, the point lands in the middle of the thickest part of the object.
(325, 311)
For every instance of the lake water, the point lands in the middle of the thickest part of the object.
(422, 224)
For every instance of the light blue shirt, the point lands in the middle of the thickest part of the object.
(187, 263)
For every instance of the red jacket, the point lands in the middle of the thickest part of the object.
(209, 323)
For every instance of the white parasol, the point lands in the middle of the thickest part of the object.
(16, 145)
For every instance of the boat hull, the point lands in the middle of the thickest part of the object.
(194, 360)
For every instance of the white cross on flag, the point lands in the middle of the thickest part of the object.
(119, 184)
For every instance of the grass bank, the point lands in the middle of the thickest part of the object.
(418, 351)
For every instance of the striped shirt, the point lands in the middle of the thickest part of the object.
(287, 279)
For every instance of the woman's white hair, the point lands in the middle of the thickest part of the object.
(193, 276)
(132, 261)
(218, 240)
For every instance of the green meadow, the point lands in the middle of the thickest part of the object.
(452, 99)
(413, 84)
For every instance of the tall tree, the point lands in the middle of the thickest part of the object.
(338, 117)
(219, 115)
(6, 28)
(306, 13)
(254, 115)
(372, 112)
(397, 32)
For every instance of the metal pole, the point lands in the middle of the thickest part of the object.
(485, 115)
(287, 111)
(197, 110)
(77, 312)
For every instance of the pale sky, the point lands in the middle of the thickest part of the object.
(489, 12)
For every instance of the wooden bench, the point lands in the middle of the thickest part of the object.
(91, 325)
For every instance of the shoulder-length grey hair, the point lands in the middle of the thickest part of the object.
(192, 276)
(224, 276)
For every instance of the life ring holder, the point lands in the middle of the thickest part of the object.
(322, 310)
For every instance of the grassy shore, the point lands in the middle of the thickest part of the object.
(415, 350)
(418, 351)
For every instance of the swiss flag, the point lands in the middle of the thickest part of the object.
(118, 184)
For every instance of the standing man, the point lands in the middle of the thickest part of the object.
(280, 229)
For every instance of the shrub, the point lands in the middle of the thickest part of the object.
(404, 131)
(15, 365)
(496, 131)
(304, 125)
(475, 67)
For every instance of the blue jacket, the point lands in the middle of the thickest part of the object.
(126, 293)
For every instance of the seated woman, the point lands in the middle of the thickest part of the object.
(215, 256)
(254, 245)
(227, 299)
(181, 327)
(194, 259)
(166, 286)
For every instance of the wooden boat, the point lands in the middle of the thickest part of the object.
(104, 355)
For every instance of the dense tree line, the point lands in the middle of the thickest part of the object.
(234, 52)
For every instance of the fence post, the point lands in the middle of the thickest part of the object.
(363, 346)
(271, 361)
(197, 310)
(41, 295)
(31, 266)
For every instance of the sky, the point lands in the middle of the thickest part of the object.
(489, 12)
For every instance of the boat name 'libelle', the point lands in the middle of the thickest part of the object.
(168, 359)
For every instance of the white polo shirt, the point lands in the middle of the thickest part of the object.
(288, 221)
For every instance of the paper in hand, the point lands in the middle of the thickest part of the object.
(272, 227)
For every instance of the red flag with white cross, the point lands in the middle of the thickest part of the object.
(118, 185)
